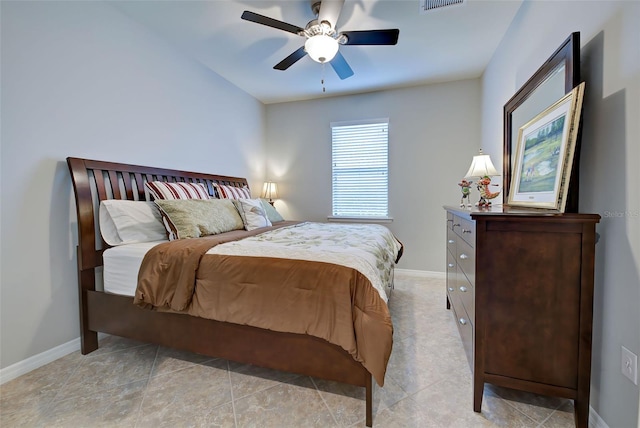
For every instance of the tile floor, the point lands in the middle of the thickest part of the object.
(132, 384)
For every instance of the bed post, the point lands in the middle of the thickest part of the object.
(86, 249)
(86, 281)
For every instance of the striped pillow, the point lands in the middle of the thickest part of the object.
(166, 191)
(231, 192)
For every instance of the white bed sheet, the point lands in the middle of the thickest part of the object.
(121, 266)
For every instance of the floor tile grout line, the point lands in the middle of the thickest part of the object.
(409, 394)
(51, 402)
(519, 411)
(508, 402)
(562, 403)
(117, 385)
(233, 401)
(144, 392)
(324, 401)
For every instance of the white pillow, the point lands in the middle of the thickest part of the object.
(128, 222)
(252, 212)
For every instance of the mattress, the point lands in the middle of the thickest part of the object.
(121, 266)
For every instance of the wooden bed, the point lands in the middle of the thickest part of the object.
(94, 181)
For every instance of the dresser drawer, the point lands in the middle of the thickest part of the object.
(466, 260)
(451, 240)
(452, 279)
(451, 266)
(465, 328)
(466, 229)
(465, 293)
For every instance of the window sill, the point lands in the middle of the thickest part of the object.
(347, 219)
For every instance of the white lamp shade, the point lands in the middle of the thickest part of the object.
(481, 166)
(270, 190)
(321, 48)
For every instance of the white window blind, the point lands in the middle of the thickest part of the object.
(360, 154)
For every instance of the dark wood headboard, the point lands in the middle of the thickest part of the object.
(95, 181)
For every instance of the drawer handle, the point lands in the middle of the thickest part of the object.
(450, 265)
(451, 241)
(463, 289)
(462, 321)
(456, 224)
(466, 230)
(463, 256)
(451, 289)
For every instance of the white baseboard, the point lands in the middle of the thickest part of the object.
(422, 273)
(25, 366)
(595, 421)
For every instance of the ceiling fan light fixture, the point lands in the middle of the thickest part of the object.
(321, 48)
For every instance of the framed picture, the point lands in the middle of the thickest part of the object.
(544, 155)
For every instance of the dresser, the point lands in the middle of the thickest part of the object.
(520, 286)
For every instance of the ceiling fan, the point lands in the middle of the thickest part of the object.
(322, 39)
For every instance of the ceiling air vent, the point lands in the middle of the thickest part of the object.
(429, 5)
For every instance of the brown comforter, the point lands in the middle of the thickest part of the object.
(329, 301)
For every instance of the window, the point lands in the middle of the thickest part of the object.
(360, 154)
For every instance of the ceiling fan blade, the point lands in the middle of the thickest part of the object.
(371, 37)
(270, 22)
(330, 11)
(291, 59)
(341, 67)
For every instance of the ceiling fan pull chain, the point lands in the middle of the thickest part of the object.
(322, 79)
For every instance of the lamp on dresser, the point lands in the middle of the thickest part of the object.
(270, 191)
(482, 170)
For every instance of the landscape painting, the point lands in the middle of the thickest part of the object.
(542, 150)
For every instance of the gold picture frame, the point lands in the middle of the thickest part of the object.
(545, 152)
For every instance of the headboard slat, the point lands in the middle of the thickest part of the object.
(139, 186)
(115, 185)
(126, 179)
(98, 176)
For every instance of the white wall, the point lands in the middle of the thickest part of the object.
(81, 79)
(609, 182)
(434, 131)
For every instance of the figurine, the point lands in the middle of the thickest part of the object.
(465, 187)
(485, 194)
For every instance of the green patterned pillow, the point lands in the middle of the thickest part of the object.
(272, 213)
(192, 218)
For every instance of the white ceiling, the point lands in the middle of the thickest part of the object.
(446, 44)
